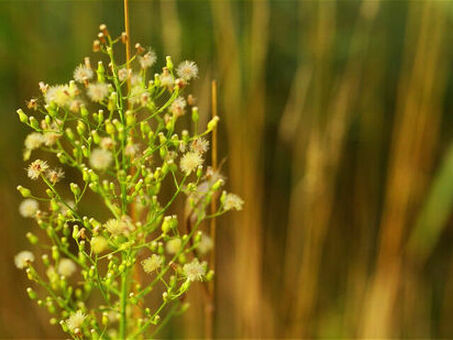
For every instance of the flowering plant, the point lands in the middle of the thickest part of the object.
(117, 129)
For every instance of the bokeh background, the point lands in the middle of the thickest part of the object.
(336, 122)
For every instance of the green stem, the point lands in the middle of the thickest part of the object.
(123, 303)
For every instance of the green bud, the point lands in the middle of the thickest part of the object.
(218, 184)
(109, 127)
(199, 171)
(24, 191)
(31, 293)
(83, 111)
(223, 197)
(75, 189)
(32, 238)
(85, 151)
(69, 134)
(95, 136)
(45, 260)
(195, 114)
(170, 65)
(101, 72)
(22, 116)
(54, 205)
(212, 124)
(34, 123)
(144, 128)
(55, 253)
(75, 232)
(62, 157)
(81, 128)
(100, 116)
(130, 118)
(111, 105)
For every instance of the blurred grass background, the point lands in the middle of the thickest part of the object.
(336, 121)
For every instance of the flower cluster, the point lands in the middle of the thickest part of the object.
(116, 127)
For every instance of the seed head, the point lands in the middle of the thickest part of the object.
(75, 321)
(187, 70)
(100, 159)
(173, 245)
(190, 162)
(83, 73)
(97, 92)
(66, 267)
(24, 258)
(37, 168)
(178, 106)
(233, 202)
(34, 140)
(195, 271)
(152, 263)
(28, 207)
(205, 244)
(147, 60)
(58, 94)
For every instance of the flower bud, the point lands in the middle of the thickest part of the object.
(101, 72)
(69, 134)
(83, 111)
(81, 128)
(24, 191)
(34, 123)
(75, 189)
(212, 124)
(22, 116)
(31, 293)
(195, 114)
(32, 238)
(170, 65)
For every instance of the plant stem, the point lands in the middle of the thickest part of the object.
(123, 303)
(210, 306)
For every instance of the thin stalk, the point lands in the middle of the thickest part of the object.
(210, 307)
(123, 304)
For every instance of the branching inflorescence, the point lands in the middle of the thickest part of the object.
(117, 128)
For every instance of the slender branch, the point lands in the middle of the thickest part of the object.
(210, 306)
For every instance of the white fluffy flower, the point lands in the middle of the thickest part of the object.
(187, 70)
(58, 94)
(75, 321)
(34, 140)
(151, 263)
(98, 244)
(233, 202)
(200, 145)
(124, 73)
(83, 73)
(50, 138)
(28, 207)
(107, 143)
(23, 258)
(100, 159)
(147, 60)
(194, 271)
(117, 227)
(205, 244)
(97, 92)
(178, 106)
(173, 245)
(54, 176)
(190, 162)
(36, 168)
(66, 267)
(167, 80)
